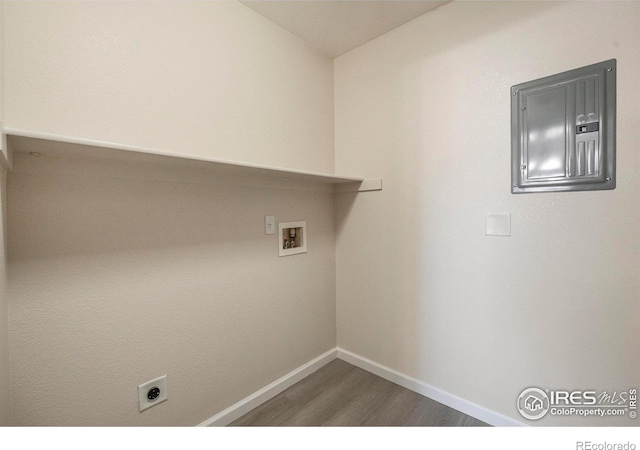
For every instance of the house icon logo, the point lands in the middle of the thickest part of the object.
(533, 403)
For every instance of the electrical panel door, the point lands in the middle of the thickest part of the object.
(563, 131)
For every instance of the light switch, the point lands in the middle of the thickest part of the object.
(269, 225)
(498, 225)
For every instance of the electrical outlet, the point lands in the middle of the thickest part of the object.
(152, 392)
(269, 225)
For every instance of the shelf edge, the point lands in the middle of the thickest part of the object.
(7, 131)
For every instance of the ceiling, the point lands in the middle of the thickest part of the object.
(336, 26)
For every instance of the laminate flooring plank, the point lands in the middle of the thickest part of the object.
(340, 394)
(372, 396)
(403, 409)
(333, 398)
(307, 401)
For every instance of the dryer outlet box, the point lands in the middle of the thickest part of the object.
(152, 393)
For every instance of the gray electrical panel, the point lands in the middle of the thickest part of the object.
(563, 131)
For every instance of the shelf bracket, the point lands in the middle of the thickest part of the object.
(5, 153)
(374, 184)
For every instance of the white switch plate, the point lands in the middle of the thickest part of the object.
(143, 401)
(498, 225)
(269, 225)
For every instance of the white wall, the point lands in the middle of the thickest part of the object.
(117, 277)
(198, 78)
(420, 288)
(2, 27)
(5, 412)
(4, 337)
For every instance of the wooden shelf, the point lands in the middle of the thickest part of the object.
(24, 141)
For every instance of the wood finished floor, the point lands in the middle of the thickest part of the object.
(340, 394)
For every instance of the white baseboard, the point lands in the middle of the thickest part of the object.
(244, 406)
(266, 393)
(474, 410)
